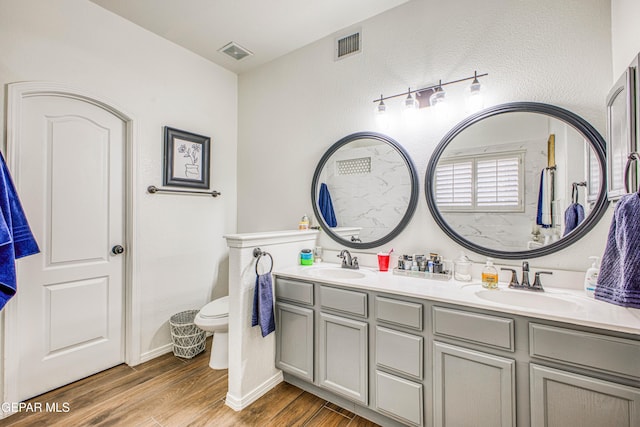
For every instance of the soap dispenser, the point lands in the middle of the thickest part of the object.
(489, 275)
(591, 277)
(304, 223)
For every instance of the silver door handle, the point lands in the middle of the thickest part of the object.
(633, 157)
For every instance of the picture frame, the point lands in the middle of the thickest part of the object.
(186, 159)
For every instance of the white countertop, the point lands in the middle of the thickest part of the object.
(563, 305)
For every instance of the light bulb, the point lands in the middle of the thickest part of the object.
(382, 118)
(438, 97)
(410, 102)
(382, 108)
(475, 100)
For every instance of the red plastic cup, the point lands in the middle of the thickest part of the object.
(383, 262)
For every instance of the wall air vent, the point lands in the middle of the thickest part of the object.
(347, 45)
(235, 51)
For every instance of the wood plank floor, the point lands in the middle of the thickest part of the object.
(169, 391)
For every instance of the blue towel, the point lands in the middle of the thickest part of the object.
(16, 239)
(573, 216)
(326, 206)
(543, 217)
(263, 305)
(619, 276)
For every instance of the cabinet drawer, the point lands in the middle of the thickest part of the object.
(400, 399)
(292, 290)
(399, 352)
(492, 331)
(399, 312)
(610, 354)
(343, 300)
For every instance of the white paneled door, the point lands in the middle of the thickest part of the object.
(69, 309)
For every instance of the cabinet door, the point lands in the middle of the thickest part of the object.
(343, 357)
(294, 340)
(472, 388)
(621, 133)
(399, 398)
(564, 399)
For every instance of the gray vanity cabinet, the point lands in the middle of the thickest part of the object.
(472, 388)
(344, 343)
(462, 376)
(399, 359)
(343, 357)
(404, 361)
(560, 398)
(295, 328)
(294, 346)
(564, 399)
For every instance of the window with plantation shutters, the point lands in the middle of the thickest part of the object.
(483, 183)
(593, 174)
(454, 184)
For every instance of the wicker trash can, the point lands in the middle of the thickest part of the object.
(188, 339)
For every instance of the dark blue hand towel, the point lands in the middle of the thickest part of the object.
(326, 206)
(16, 239)
(619, 276)
(573, 216)
(263, 305)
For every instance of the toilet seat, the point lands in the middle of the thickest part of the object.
(216, 309)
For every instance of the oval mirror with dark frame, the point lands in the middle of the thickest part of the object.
(518, 180)
(364, 190)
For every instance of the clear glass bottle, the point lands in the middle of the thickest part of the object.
(462, 268)
(489, 275)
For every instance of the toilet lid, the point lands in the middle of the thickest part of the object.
(216, 308)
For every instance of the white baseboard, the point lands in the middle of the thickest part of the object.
(238, 404)
(159, 351)
(145, 357)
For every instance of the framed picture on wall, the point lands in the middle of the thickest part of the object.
(186, 159)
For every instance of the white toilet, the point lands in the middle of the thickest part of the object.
(214, 317)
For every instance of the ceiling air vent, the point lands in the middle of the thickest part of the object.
(235, 51)
(348, 45)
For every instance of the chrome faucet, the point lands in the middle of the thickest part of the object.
(513, 283)
(348, 261)
(537, 284)
(525, 275)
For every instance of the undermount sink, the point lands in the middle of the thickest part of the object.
(528, 299)
(335, 273)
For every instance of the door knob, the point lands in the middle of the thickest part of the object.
(117, 250)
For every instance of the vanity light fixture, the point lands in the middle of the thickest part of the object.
(437, 97)
(474, 96)
(432, 95)
(410, 103)
(382, 108)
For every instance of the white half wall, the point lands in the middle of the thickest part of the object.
(252, 370)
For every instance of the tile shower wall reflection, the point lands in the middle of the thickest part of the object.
(359, 179)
